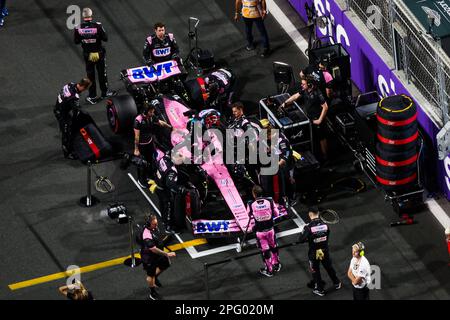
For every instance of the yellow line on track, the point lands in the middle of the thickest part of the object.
(97, 266)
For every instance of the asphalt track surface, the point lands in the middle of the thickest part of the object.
(43, 230)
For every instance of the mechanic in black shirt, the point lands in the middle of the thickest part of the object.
(146, 126)
(220, 87)
(160, 47)
(284, 185)
(243, 127)
(168, 188)
(154, 259)
(91, 34)
(315, 107)
(317, 233)
(66, 107)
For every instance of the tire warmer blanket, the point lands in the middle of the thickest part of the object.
(90, 143)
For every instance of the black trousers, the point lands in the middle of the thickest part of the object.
(100, 65)
(285, 188)
(361, 294)
(147, 152)
(165, 198)
(314, 265)
(65, 127)
(262, 30)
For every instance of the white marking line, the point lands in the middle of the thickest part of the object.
(190, 250)
(302, 44)
(287, 25)
(438, 213)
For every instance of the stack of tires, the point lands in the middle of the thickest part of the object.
(397, 143)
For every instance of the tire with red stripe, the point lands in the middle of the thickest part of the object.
(390, 146)
(398, 185)
(395, 155)
(121, 112)
(396, 108)
(398, 172)
(396, 133)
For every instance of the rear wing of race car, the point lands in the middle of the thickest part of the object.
(151, 74)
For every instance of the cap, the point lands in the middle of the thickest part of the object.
(87, 13)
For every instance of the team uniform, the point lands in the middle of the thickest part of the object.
(278, 186)
(263, 211)
(148, 127)
(91, 34)
(67, 104)
(157, 50)
(316, 233)
(167, 180)
(150, 260)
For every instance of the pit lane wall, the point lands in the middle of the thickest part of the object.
(373, 69)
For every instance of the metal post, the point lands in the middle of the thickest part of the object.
(89, 200)
(391, 10)
(131, 262)
(205, 268)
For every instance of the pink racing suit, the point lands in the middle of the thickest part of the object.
(263, 210)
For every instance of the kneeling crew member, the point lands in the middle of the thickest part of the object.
(316, 233)
(167, 180)
(154, 259)
(67, 104)
(263, 210)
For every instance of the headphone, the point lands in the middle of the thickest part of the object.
(310, 81)
(361, 249)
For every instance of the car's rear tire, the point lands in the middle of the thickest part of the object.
(121, 112)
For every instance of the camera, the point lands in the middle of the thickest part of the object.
(129, 159)
(118, 211)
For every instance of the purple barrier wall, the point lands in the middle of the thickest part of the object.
(369, 71)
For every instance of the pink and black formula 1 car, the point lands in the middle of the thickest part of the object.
(216, 202)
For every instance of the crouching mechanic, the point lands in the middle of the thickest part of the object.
(168, 188)
(316, 233)
(67, 104)
(263, 211)
(154, 259)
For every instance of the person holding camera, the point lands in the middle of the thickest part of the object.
(146, 127)
(76, 291)
(317, 233)
(359, 272)
(315, 106)
(154, 259)
(65, 109)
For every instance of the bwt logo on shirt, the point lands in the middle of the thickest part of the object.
(211, 226)
(161, 52)
(152, 73)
